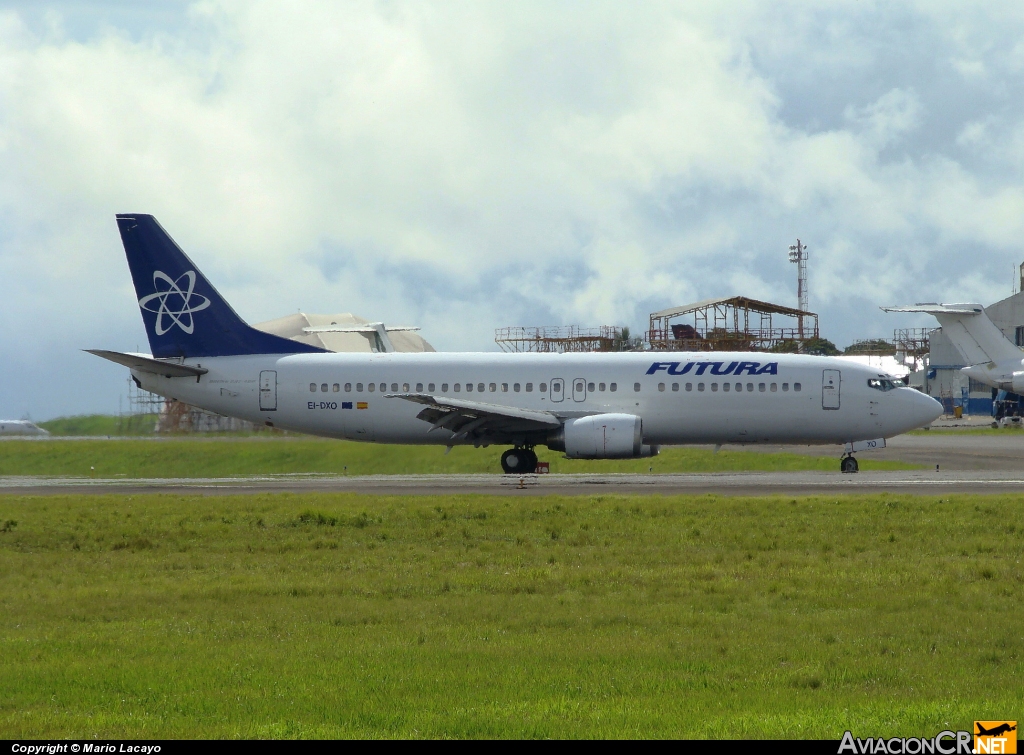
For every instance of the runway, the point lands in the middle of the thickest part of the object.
(924, 482)
(967, 463)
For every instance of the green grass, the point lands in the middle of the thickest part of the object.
(195, 457)
(101, 424)
(349, 616)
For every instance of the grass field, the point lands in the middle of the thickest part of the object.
(341, 615)
(101, 424)
(193, 457)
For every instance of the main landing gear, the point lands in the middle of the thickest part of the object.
(519, 461)
(848, 465)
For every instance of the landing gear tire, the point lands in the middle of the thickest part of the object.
(519, 461)
(849, 465)
(531, 461)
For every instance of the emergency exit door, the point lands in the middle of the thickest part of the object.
(268, 391)
(557, 389)
(830, 382)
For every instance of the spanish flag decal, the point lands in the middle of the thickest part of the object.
(362, 405)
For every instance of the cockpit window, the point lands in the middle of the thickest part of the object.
(881, 384)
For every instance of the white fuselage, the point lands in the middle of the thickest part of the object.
(347, 395)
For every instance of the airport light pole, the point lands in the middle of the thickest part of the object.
(798, 254)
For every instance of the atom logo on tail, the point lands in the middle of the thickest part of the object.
(174, 303)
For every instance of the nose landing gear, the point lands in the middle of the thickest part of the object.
(848, 465)
(519, 461)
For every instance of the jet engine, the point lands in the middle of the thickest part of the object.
(602, 436)
(1017, 383)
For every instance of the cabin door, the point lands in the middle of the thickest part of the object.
(830, 382)
(268, 391)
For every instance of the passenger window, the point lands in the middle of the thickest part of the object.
(504, 387)
(739, 386)
(714, 387)
(613, 387)
(600, 386)
(636, 387)
(348, 387)
(796, 387)
(590, 387)
(543, 387)
(480, 387)
(371, 387)
(323, 388)
(384, 387)
(394, 387)
(675, 387)
(762, 387)
(700, 386)
(492, 387)
(312, 387)
(725, 387)
(431, 387)
(419, 387)
(529, 387)
(750, 387)
(689, 386)
(359, 387)
(785, 387)
(457, 388)
(515, 387)
(444, 387)
(661, 387)
(335, 388)
(775, 387)
(469, 387)
(405, 387)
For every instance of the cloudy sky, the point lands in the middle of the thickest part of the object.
(463, 166)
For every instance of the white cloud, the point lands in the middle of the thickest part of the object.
(466, 167)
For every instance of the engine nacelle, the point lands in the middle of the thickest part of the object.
(1017, 383)
(602, 436)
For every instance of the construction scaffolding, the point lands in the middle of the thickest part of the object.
(559, 339)
(731, 324)
(912, 346)
(177, 416)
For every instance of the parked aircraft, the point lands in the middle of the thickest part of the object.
(589, 406)
(991, 357)
(20, 427)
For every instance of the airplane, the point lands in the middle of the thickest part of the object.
(587, 406)
(991, 357)
(995, 731)
(20, 427)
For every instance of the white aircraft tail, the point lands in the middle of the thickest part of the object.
(975, 336)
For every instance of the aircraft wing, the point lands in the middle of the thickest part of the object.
(477, 420)
(148, 364)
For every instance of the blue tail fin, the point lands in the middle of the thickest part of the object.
(184, 314)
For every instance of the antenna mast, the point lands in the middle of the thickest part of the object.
(798, 254)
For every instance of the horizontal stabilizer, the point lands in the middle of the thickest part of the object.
(148, 364)
(975, 336)
(939, 309)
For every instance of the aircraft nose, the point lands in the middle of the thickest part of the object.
(922, 409)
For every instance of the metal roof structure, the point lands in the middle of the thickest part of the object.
(734, 323)
(558, 339)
